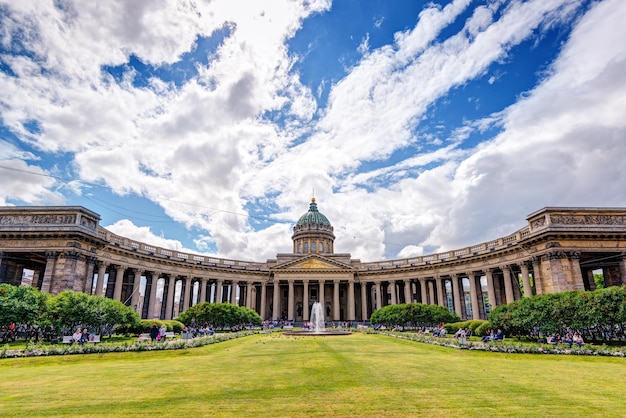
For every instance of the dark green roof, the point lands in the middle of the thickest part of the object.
(313, 216)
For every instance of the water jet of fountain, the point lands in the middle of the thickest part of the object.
(317, 318)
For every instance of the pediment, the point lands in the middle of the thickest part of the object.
(313, 262)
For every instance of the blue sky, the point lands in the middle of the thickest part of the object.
(207, 126)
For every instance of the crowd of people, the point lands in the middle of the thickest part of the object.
(569, 339)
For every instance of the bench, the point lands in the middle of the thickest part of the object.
(67, 339)
(146, 336)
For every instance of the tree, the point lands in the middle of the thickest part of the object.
(600, 314)
(415, 314)
(22, 305)
(71, 309)
(219, 315)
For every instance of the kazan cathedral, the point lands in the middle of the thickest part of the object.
(55, 248)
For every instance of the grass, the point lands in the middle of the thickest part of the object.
(280, 376)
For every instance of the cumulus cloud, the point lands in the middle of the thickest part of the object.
(209, 149)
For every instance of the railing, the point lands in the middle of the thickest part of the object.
(474, 250)
(150, 250)
(378, 265)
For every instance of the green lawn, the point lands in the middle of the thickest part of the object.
(280, 376)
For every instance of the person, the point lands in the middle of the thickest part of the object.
(568, 340)
(76, 336)
(84, 337)
(489, 335)
(154, 332)
(499, 335)
(162, 331)
(578, 339)
(555, 339)
(461, 334)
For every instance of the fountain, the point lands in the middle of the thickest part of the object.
(316, 324)
(317, 318)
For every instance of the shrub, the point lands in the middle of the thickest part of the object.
(482, 329)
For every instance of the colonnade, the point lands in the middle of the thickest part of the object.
(470, 294)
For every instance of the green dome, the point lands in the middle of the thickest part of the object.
(313, 216)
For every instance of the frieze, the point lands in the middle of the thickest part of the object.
(37, 219)
(88, 223)
(538, 223)
(588, 219)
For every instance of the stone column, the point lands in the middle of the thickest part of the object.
(276, 301)
(153, 291)
(431, 292)
(305, 301)
(622, 272)
(249, 288)
(491, 290)
(474, 295)
(528, 291)
(441, 295)
(392, 291)
(187, 296)
(290, 300)
(233, 292)
(364, 301)
(203, 283)
(577, 276)
(422, 281)
(321, 295)
(379, 297)
(537, 275)
(51, 259)
(119, 279)
(408, 297)
(591, 281)
(219, 291)
(508, 285)
(336, 310)
(134, 300)
(263, 306)
(102, 268)
(456, 294)
(91, 261)
(169, 304)
(351, 307)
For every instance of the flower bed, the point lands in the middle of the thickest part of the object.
(175, 344)
(507, 347)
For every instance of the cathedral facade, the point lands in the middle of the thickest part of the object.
(64, 247)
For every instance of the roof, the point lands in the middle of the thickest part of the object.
(313, 216)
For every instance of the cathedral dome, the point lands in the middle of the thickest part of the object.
(313, 233)
(313, 216)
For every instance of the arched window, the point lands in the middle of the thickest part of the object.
(306, 247)
(313, 247)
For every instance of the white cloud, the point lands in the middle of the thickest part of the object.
(203, 151)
